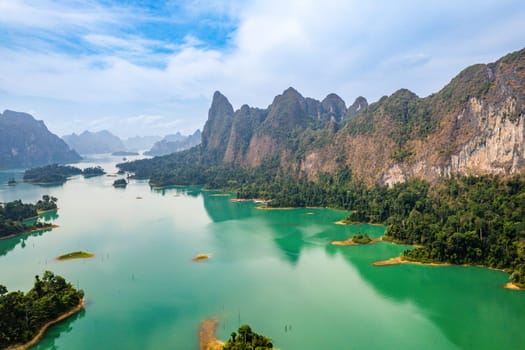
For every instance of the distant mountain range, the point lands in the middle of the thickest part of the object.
(94, 142)
(175, 143)
(26, 142)
(105, 142)
(140, 143)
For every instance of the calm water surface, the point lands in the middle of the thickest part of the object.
(271, 269)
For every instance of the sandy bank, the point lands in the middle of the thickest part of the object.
(201, 257)
(39, 229)
(207, 339)
(399, 260)
(254, 200)
(350, 241)
(512, 286)
(44, 328)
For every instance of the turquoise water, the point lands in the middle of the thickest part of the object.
(268, 268)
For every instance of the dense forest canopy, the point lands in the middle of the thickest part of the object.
(13, 214)
(23, 314)
(51, 174)
(246, 339)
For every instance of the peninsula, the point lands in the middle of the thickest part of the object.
(51, 300)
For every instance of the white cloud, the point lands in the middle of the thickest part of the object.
(351, 48)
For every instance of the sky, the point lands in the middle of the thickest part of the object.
(139, 67)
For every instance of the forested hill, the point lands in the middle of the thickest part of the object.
(474, 125)
(26, 142)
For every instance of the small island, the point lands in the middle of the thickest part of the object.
(28, 315)
(11, 182)
(14, 216)
(93, 171)
(120, 183)
(51, 174)
(75, 255)
(244, 338)
(357, 239)
(201, 257)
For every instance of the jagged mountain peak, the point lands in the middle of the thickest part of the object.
(220, 106)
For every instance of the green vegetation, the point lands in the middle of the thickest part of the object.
(46, 203)
(93, 171)
(246, 339)
(23, 315)
(13, 214)
(76, 255)
(50, 174)
(359, 238)
(120, 183)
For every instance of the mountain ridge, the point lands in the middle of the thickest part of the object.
(474, 125)
(26, 142)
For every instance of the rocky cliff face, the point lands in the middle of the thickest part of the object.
(474, 125)
(26, 142)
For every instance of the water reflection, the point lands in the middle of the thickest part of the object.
(8, 245)
(466, 304)
(463, 302)
(54, 332)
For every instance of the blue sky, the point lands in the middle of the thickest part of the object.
(151, 67)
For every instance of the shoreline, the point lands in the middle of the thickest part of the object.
(349, 223)
(512, 286)
(30, 231)
(207, 338)
(254, 200)
(44, 328)
(40, 212)
(398, 260)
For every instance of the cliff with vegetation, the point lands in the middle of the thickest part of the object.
(445, 172)
(26, 142)
(24, 315)
(474, 125)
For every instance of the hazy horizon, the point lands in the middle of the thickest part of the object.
(150, 68)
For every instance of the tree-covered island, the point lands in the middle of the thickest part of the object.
(14, 216)
(25, 316)
(51, 174)
(93, 171)
(58, 174)
(120, 183)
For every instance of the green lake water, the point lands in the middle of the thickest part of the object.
(272, 269)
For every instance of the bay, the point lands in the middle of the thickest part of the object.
(272, 269)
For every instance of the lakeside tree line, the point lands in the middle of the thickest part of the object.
(22, 315)
(13, 214)
(247, 339)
